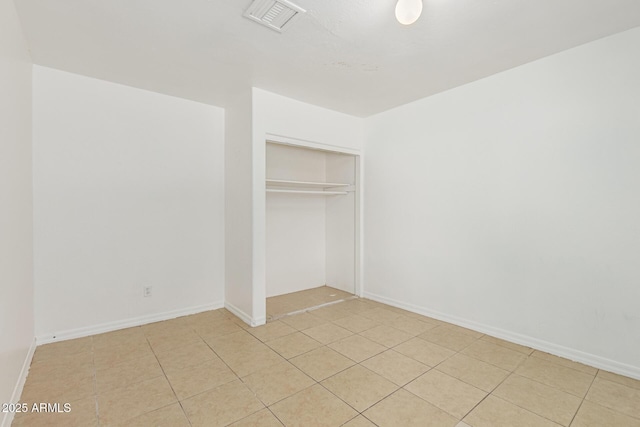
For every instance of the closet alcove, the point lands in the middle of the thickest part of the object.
(312, 217)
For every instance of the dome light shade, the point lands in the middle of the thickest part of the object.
(408, 11)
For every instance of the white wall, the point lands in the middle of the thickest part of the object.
(295, 233)
(341, 222)
(511, 204)
(278, 115)
(239, 297)
(129, 192)
(16, 212)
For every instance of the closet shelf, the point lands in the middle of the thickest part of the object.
(316, 192)
(303, 184)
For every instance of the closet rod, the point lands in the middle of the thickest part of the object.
(319, 193)
(287, 183)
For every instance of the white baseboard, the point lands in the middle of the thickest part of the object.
(17, 391)
(122, 324)
(244, 316)
(259, 321)
(537, 344)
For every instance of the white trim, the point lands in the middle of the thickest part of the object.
(258, 321)
(244, 316)
(303, 184)
(359, 227)
(127, 323)
(260, 187)
(17, 391)
(287, 140)
(535, 343)
(309, 192)
(309, 309)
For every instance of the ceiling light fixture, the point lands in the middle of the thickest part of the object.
(408, 11)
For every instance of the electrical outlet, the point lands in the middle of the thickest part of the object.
(146, 291)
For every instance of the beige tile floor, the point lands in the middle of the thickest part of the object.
(356, 363)
(281, 305)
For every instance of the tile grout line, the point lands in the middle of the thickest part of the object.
(167, 379)
(511, 373)
(584, 398)
(492, 390)
(276, 317)
(326, 345)
(489, 363)
(95, 381)
(337, 373)
(274, 415)
(525, 409)
(550, 386)
(240, 378)
(356, 363)
(560, 364)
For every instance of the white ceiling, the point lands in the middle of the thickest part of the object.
(347, 55)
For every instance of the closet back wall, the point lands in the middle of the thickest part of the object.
(129, 192)
(295, 223)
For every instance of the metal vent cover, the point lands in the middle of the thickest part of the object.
(275, 14)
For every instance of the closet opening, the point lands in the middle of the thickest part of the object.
(312, 218)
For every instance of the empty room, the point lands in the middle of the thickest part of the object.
(320, 213)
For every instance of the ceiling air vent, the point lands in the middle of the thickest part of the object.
(275, 14)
